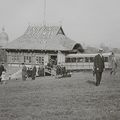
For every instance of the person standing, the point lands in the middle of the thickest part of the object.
(40, 71)
(113, 64)
(1, 70)
(34, 72)
(99, 66)
(24, 72)
(3, 76)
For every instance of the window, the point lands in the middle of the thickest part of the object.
(70, 60)
(80, 59)
(15, 58)
(40, 60)
(27, 59)
(91, 59)
(105, 59)
(67, 60)
(73, 60)
(86, 59)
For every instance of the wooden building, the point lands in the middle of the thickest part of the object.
(39, 45)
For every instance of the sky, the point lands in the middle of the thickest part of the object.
(89, 22)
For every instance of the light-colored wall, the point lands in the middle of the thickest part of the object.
(60, 58)
(46, 59)
(21, 57)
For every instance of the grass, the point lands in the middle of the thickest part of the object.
(75, 98)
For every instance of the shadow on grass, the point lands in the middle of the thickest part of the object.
(91, 82)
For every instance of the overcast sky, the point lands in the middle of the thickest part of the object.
(92, 22)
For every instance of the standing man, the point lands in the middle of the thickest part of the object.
(1, 70)
(99, 66)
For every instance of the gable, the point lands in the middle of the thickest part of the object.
(60, 31)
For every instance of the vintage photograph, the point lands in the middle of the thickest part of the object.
(59, 60)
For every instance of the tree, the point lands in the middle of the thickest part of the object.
(3, 56)
(104, 47)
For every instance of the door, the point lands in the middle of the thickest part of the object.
(53, 59)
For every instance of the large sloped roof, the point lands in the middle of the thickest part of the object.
(42, 38)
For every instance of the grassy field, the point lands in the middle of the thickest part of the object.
(74, 98)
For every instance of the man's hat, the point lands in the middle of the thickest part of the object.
(100, 49)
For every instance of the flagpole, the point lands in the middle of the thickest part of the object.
(44, 19)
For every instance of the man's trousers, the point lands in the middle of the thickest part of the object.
(98, 78)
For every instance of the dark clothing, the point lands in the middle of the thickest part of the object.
(50, 65)
(58, 70)
(98, 67)
(34, 73)
(98, 78)
(40, 71)
(24, 73)
(29, 73)
(1, 70)
(64, 71)
(99, 63)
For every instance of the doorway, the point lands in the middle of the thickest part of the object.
(53, 59)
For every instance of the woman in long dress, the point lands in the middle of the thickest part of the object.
(4, 77)
(24, 72)
(113, 64)
(34, 72)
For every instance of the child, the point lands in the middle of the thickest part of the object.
(3, 77)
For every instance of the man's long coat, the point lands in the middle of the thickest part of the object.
(99, 63)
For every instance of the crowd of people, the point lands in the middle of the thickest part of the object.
(40, 71)
(28, 72)
(62, 72)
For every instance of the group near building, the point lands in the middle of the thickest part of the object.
(39, 45)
